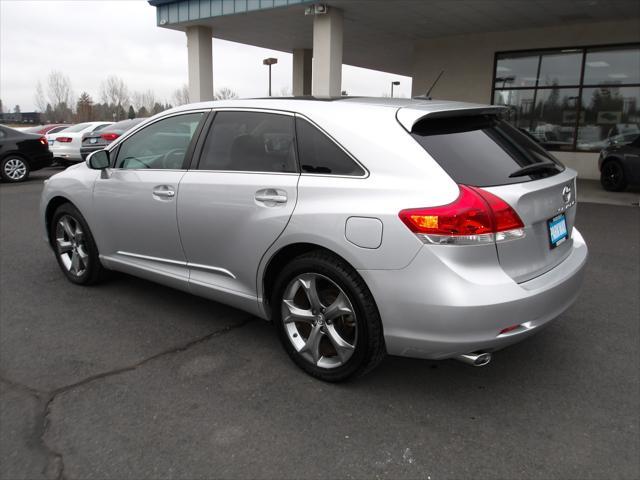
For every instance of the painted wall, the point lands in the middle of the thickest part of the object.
(468, 64)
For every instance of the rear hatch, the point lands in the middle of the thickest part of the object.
(481, 150)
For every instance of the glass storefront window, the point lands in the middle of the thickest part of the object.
(611, 115)
(520, 103)
(572, 99)
(606, 67)
(516, 71)
(555, 117)
(560, 69)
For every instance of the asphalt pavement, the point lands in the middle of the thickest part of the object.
(131, 380)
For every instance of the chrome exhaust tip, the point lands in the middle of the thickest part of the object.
(479, 359)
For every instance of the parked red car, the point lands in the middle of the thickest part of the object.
(46, 129)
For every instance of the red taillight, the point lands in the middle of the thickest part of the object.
(505, 217)
(109, 137)
(64, 139)
(43, 141)
(476, 216)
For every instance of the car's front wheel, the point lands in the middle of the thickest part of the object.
(612, 176)
(326, 317)
(14, 169)
(74, 246)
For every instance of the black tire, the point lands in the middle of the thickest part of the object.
(612, 177)
(369, 348)
(14, 169)
(93, 271)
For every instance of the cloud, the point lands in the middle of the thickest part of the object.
(89, 40)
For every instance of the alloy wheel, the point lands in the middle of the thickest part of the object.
(319, 320)
(71, 247)
(15, 169)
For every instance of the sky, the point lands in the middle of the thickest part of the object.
(89, 40)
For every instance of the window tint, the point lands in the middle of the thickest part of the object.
(100, 127)
(161, 145)
(319, 154)
(250, 142)
(481, 151)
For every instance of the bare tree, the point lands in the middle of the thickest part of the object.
(58, 89)
(224, 93)
(39, 99)
(114, 92)
(181, 95)
(143, 99)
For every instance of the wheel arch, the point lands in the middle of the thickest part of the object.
(279, 260)
(52, 206)
(15, 153)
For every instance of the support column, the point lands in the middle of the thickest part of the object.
(327, 53)
(200, 64)
(302, 62)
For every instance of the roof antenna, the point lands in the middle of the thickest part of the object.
(427, 96)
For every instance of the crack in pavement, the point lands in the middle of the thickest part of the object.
(55, 461)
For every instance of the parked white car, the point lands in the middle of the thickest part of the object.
(65, 145)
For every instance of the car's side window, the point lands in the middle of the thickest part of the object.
(319, 154)
(250, 142)
(161, 145)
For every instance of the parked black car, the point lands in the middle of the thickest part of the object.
(98, 140)
(21, 153)
(619, 165)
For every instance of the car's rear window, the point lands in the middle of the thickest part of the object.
(482, 150)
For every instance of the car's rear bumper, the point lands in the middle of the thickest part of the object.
(441, 306)
(64, 152)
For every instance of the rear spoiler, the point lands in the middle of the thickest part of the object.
(408, 117)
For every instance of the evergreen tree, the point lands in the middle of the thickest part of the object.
(132, 113)
(84, 108)
(142, 113)
(157, 108)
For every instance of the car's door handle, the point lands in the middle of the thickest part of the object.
(164, 191)
(271, 196)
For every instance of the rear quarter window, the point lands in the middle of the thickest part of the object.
(482, 150)
(319, 154)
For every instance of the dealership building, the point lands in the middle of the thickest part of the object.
(568, 70)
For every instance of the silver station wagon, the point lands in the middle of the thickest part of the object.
(358, 226)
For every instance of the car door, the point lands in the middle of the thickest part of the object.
(135, 200)
(236, 201)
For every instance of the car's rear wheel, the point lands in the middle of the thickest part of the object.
(14, 169)
(74, 246)
(326, 317)
(612, 176)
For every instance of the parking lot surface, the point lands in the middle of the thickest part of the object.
(134, 380)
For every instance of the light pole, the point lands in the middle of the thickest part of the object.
(396, 83)
(269, 62)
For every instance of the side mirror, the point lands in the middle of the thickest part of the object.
(98, 160)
